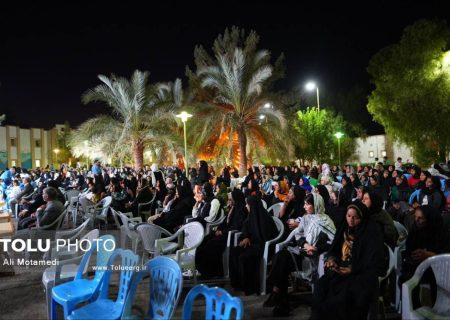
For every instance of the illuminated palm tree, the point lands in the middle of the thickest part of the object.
(140, 118)
(234, 89)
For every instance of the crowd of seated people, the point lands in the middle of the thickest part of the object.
(348, 213)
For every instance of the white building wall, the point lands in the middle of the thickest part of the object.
(370, 148)
(25, 145)
(2, 139)
(37, 150)
(13, 150)
(402, 151)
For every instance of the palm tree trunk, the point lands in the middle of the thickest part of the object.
(138, 154)
(243, 151)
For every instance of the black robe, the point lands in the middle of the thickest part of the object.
(348, 297)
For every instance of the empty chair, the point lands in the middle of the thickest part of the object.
(189, 236)
(103, 307)
(100, 210)
(149, 233)
(219, 303)
(127, 231)
(66, 269)
(81, 289)
(276, 208)
(165, 286)
(440, 264)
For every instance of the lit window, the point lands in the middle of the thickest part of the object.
(383, 153)
(38, 163)
(13, 163)
(371, 154)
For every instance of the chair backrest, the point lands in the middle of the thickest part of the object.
(391, 263)
(128, 264)
(116, 217)
(219, 303)
(149, 233)
(280, 226)
(69, 194)
(402, 233)
(106, 202)
(193, 234)
(58, 222)
(165, 286)
(441, 269)
(125, 221)
(276, 208)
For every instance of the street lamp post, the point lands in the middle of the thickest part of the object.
(310, 86)
(184, 117)
(339, 135)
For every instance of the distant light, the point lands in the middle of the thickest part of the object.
(184, 116)
(338, 135)
(262, 116)
(310, 86)
(267, 105)
(55, 150)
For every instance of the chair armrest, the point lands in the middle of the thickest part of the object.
(407, 299)
(281, 245)
(128, 214)
(236, 238)
(62, 263)
(159, 243)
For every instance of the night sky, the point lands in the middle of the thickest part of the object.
(50, 55)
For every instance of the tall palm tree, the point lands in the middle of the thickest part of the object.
(139, 119)
(238, 81)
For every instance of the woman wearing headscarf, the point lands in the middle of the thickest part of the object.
(414, 179)
(355, 180)
(281, 192)
(312, 237)
(182, 206)
(426, 238)
(432, 194)
(353, 265)
(222, 194)
(245, 259)
(143, 195)
(292, 209)
(208, 256)
(304, 183)
(207, 206)
(347, 192)
(374, 204)
(203, 175)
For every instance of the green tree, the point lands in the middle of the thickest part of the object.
(315, 140)
(231, 89)
(411, 98)
(141, 117)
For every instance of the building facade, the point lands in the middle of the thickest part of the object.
(379, 146)
(28, 148)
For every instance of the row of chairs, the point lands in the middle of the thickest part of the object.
(164, 286)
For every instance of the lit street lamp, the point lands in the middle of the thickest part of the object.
(184, 117)
(339, 135)
(56, 151)
(310, 86)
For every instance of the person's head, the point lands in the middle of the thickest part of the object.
(297, 193)
(400, 180)
(373, 201)
(49, 194)
(360, 192)
(424, 175)
(309, 204)
(427, 217)
(26, 179)
(324, 180)
(374, 180)
(355, 214)
(385, 174)
(16, 182)
(207, 191)
(237, 198)
(346, 181)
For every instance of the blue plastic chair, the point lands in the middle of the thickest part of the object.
(414, 196)
(219, 303)
(79, 290)
(166, 283)
(103, 307)
(407, 176)
(339, 178)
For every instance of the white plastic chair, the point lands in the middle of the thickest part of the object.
(276, 208)
(401, 242)
(189, 236)
(217, 222)
(440, 265)
(100, 210)
(148, 212)
(149, 233)
(65, 270)
(129, 231)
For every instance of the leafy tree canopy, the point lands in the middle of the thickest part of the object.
(411, 98)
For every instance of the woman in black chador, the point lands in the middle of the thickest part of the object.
(353, 264)
(245, 259)
(208, 256)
